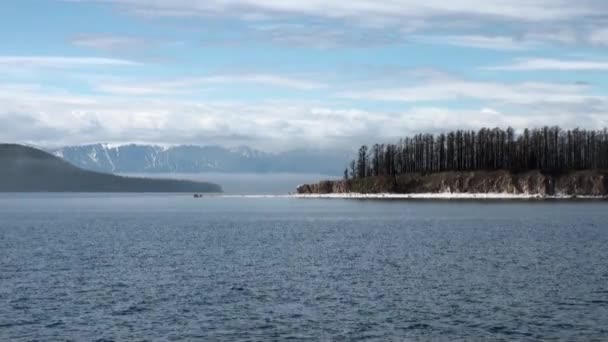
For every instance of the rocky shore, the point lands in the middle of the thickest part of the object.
(533, 184)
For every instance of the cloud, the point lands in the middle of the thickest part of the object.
(264, 79)
(546, 64)
(369, 10)
(369, 94)
(63, 117)
(323, 36)
(455, 89)
(109, 43)
(599, 37)
(74, 118)
(144, 89)
(437, 119)
(61, 61)
(561, 35)
(336, 23)
(21, 127)
(477, 41)
(197, 84)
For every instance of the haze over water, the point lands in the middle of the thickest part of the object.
(248, 183)
(149, 267)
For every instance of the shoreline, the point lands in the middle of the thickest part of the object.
(418, 196)
(447, 196)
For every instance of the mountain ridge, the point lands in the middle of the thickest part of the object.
(147, 158)
(27, 169)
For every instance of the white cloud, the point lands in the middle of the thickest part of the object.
(323, 36)
(264, 79)
(477, 41)
(74, 118)
(108, 43)
(437, 119)
(143, 89)
(35, 114)
(561, 35)
(454, 89)
(599, 37)
(61, 61)
(528, 10)
(546, 64)
(197, 84)
(336, 23)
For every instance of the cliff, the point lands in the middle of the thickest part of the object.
(579, 183)
(26, 169)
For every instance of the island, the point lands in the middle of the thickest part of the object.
(27, 169)
(490, 163)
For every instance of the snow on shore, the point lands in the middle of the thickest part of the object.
(445, 195)
(437, 196)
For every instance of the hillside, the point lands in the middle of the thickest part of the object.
(25, 169)
(200, 159)
(578, 183)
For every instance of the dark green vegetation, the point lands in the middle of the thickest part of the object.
(26, 169)
(549, 150)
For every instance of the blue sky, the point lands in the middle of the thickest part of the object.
(276, 75)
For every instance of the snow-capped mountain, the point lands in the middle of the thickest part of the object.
(197, 159)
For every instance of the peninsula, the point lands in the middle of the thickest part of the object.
(489, 163)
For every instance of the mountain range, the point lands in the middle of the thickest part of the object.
(200, 159)
(26, 169)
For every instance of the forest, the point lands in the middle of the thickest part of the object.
(548, 149)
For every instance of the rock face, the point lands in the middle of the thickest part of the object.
(580, 183)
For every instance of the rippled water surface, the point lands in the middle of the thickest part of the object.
(167, 267)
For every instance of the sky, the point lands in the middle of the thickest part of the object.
(277, 75)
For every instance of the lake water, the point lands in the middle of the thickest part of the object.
(170, 267)
(248, 183)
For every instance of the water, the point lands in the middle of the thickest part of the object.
(248, 183)
(169, 267)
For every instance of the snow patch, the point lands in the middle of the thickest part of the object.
(93, 156)
(111, 146)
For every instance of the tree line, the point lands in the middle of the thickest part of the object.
(549, 149)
